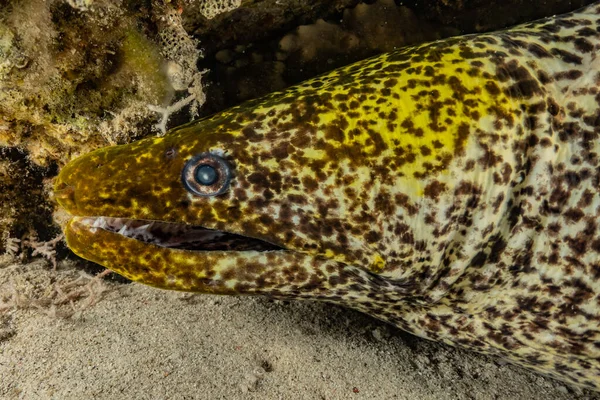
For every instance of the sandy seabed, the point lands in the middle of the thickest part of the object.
(138, 342)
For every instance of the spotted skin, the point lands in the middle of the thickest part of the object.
(450, 189)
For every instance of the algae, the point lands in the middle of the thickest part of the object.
(75, 76)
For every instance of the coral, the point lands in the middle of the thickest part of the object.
(61, 293)
(77, 75)
(78, 66)
(181, 53)
(12, 246)
(257, 20)
(44, 249)
(69, 69)
(210, 9)
(166, 112)
(82, 5)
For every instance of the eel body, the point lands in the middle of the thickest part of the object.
(451, 189)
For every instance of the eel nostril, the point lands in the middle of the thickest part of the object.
(65, 195)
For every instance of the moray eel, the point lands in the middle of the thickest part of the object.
(451, 189)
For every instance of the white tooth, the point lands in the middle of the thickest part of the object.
(123, 230)
(87, 221)
(97, 222)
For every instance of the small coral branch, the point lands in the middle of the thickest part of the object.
(85, 287)
(196, 98)
(76, 294)
(166, 112)
(44, 249)
(180, 51)
(12, 246)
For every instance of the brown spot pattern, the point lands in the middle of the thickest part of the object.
(450, 188)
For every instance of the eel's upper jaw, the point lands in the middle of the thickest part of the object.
(174, 235)
(171, 235)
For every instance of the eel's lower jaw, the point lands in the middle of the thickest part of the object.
(176, 236)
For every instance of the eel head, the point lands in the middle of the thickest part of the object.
(219, 206)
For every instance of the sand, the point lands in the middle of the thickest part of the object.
(138, 342)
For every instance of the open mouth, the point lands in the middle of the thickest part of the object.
(178, 236)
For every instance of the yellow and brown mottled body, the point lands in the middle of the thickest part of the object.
(451, 189)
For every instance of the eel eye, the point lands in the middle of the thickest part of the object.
(206, 175)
